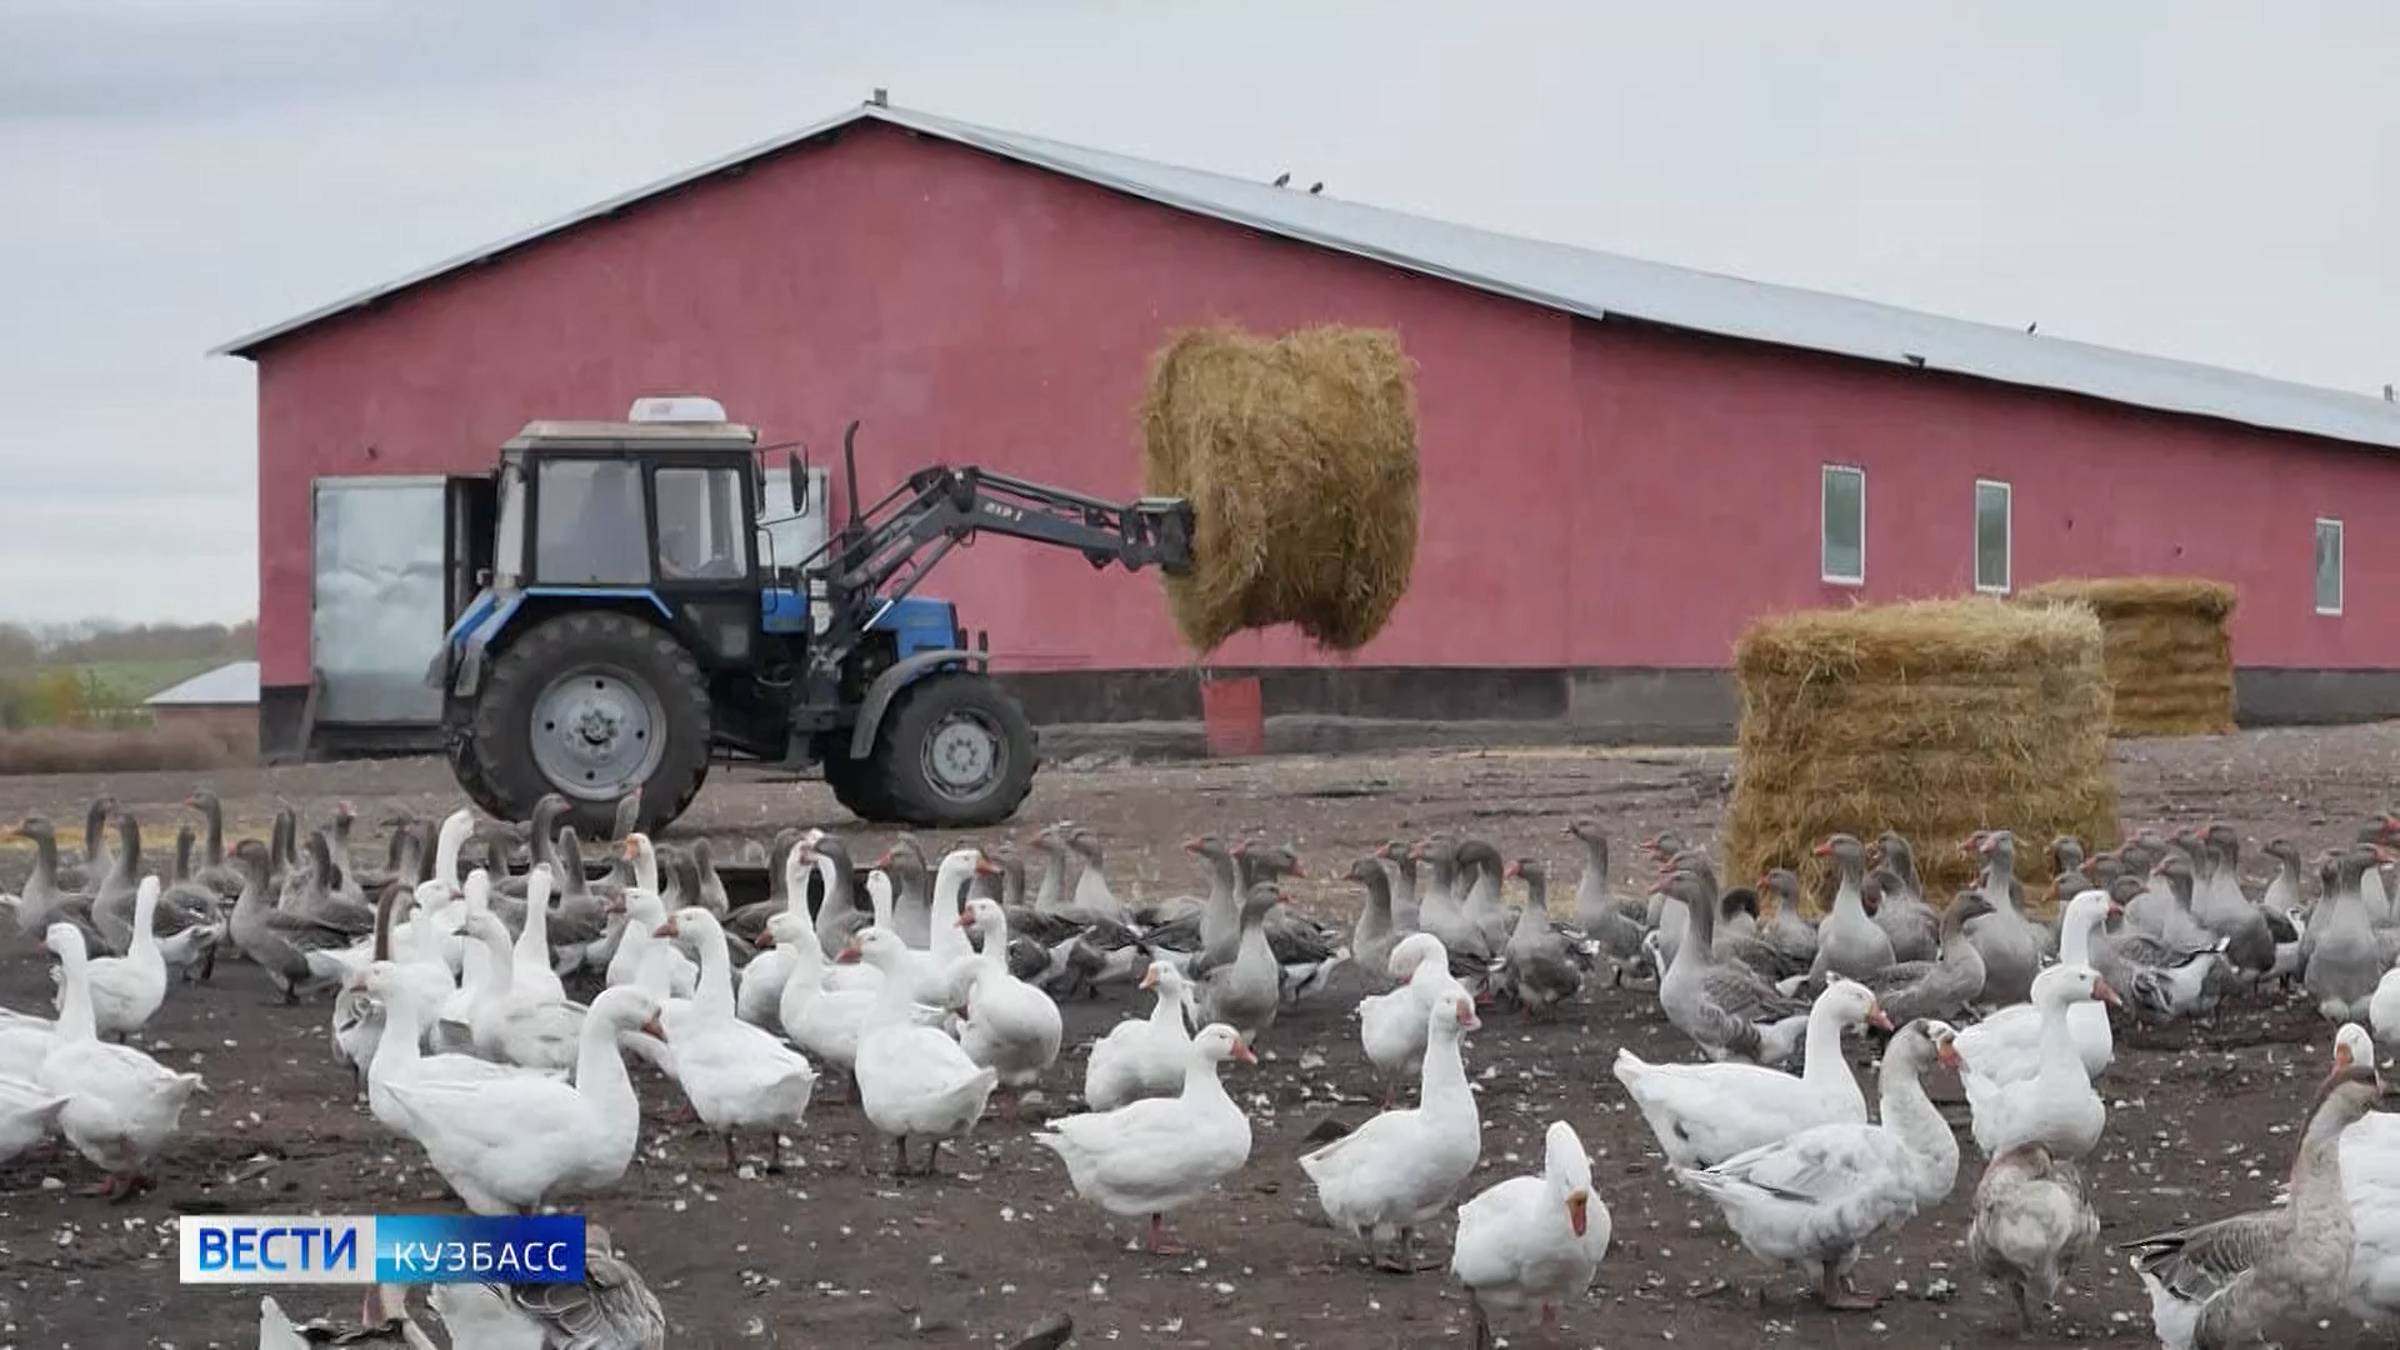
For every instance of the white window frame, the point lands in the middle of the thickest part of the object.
(2008, 537)
(1825, 473)
(2341, 565)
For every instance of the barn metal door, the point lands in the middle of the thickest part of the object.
(380, 598)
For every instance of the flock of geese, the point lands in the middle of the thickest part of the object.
(929, 986)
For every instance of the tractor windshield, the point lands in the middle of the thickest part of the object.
(588, 526)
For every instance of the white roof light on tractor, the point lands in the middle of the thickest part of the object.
(676, 408)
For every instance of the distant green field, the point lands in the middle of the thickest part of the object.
(122, 684)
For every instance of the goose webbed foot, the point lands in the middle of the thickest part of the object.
(1160, 1244)
(1483, 1323)
(1838, 1295)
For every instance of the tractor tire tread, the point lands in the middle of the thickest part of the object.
(911, 801)
(530, 662)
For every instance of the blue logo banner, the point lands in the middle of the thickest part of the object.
(464, 1249)
(380, 1249)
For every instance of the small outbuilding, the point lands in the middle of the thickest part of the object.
(222, 702)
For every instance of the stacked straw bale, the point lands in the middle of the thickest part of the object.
(1936, 719)
(1299, 456)
(2165, 645)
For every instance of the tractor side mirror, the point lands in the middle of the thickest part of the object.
(796, 479)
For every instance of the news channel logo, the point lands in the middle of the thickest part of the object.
(380, 1249)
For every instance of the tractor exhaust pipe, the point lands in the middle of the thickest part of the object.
(850, 469)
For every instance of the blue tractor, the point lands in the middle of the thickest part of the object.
(634, 626)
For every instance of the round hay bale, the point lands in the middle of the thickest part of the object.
(1935, 719)
(2165, 645)
(1299, 456)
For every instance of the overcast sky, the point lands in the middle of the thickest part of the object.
(2214, 181)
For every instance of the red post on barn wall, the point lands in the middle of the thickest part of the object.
(1233, 715)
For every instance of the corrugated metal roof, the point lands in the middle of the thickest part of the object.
(1578, 281)
(227, 685)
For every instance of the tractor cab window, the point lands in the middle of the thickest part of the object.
(588, 524)
(702, 535)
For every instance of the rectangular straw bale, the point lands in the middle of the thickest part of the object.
(1936, 719)
(2165, 646)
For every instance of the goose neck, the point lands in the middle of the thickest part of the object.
(1821, 1057)
(1442, 1084)
(600, 1072)
(75, 1023)
(396, 1051)
(145, 922)
(1201, 1085)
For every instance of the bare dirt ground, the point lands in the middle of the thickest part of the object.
(826, 1255)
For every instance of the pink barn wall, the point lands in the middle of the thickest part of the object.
(1606, 495)
(1705, 453)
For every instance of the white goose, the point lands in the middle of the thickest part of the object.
(2383, 1010)
(24, 1043)
(2371, 1182)
(824, 1022)
(531, 972)
(1392, 1027)
(1143, 1057)
(1811, 1200)
(1703, 1114)
(2057, 1107)
(1532, 1239)
(123, 1106)
(512, 1144)
(930, 983)
(1011, 1026)
(642, 916)
(913, 1081)
(644, 912)
(127, 990)
(2006, 1047)
(28, 1113)
(736, 1076)
(1390, 1175)
(537, 1030)
(758, 997)
(1159, 1154)
(452, 1020)
(399, 1057)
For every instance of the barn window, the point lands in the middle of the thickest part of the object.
(1842, 547)
(1993, 510)
(2329, 566)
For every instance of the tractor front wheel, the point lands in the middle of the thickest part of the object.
(858, 785)
(955, 752)
(592, 706)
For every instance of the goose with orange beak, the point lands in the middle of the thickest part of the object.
(1532, 1239)
(1011, 1026)
(1158, 1154)
(2057, 1107)
(1385, 1179)
(1812, 1199)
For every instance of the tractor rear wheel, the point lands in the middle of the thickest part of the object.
(591, 706)
(955, 752)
